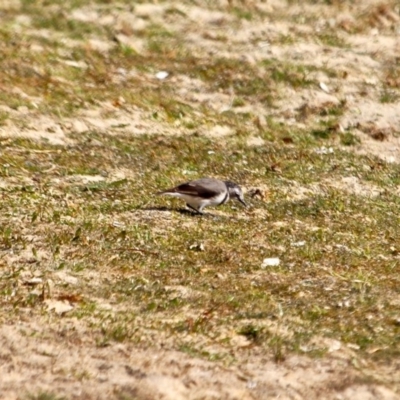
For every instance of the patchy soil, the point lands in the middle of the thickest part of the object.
(65, 362)
(343, 65)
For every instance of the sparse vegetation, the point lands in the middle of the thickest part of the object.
(45, 396)
(89, 133)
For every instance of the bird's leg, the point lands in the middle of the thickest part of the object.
(199, 211)
(194, 209)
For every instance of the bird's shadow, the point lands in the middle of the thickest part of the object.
(183, 211)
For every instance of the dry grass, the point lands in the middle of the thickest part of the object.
(80, 225)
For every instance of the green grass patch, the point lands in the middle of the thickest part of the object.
(332, 285)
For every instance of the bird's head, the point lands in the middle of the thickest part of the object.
(235, 192)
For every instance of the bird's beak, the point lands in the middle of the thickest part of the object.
(242, 201)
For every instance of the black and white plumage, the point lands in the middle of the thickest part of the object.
(206, 192)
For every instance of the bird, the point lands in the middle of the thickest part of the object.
(206, 192)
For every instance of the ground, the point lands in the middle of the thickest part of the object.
(108, 291)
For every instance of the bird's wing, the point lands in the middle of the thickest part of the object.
(197, 189)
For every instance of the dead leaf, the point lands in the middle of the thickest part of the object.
(72, 298)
